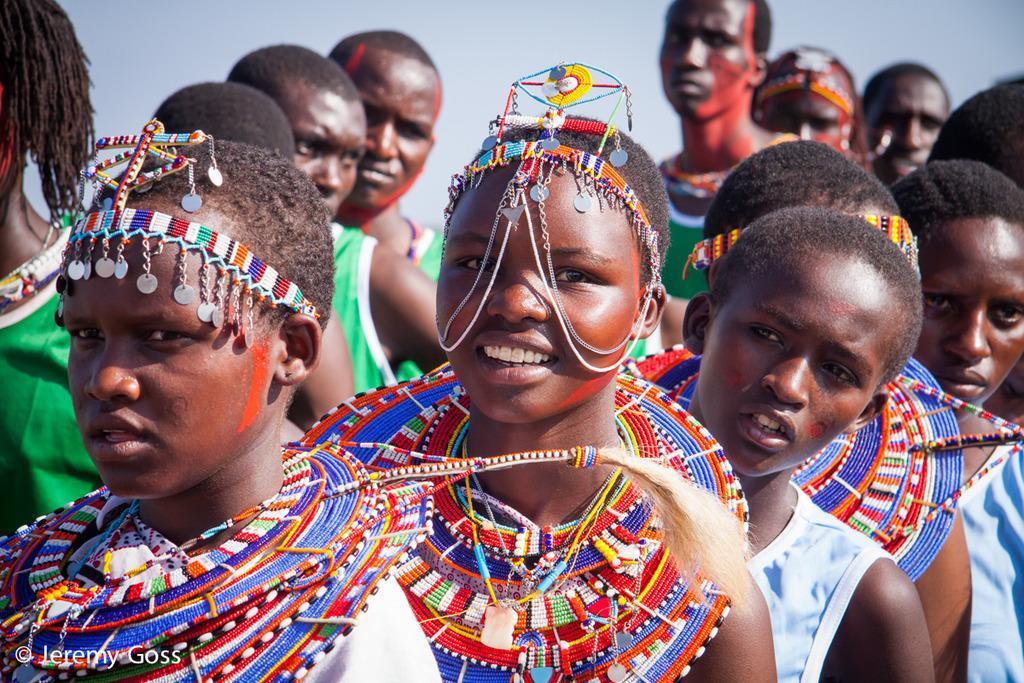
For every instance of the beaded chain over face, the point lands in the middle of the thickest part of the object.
(598, 182)
(231, 278)
(502, 599)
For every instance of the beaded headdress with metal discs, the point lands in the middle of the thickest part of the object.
(896, 228)
(598, 183)
(231, 277)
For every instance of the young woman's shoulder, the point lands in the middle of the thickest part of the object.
(883, 633)
(743, 649)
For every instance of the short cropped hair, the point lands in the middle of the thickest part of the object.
(271, 206)
(229, 111)
(944, 191)
(798, 173)
(276, 69)
(874, 86)
(640, 172)
(989, 127)
(349, 51)
(790, 239)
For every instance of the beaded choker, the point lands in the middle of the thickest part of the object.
(231, 276)
(504, 600)
(897, 479)
(709, 250)
(269, 602)
(536, 161)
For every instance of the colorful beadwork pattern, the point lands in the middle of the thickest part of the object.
(267, 604)
(215, 248)
(583, 164)
(618, 607)
(881, 480)
(150, 143)
(897, 229)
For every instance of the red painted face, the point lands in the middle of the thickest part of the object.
(163, 401)
(776, 354)
(402, 97)
(708, 64)
(972, 278)
(597, 264)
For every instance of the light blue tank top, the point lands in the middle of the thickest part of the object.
(993, 512)
(808, 575)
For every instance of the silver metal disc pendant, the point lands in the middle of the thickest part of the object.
(184, 294)
(146, 283)
(617, 673)
(217, 317)
(581, 203)
(557, 74)
(121, 269)
(538, 193)
(107, 204)
(105, 267)
(489, 143)
(205, 312)
(247, 337)
(549, 89)
(550, 144)
(618, 158)
(215, 176)
(87, 273)
(623, 640)
(191, 203)
(76, 269)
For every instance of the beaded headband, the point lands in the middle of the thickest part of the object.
(238, 276)
(896, 228)
(815, 71)
(560, 87)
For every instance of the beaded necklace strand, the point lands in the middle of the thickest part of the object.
(619, 608)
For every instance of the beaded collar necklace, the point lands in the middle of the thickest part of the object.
(270, 601)
(897, 480)
(617, 608)
(33, 275)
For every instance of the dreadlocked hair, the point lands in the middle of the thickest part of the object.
(45, 107)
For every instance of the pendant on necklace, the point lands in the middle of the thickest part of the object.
(499, 623)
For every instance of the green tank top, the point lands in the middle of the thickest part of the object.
(429, 260)
(684, 236)
(353, 251)
(43, 464)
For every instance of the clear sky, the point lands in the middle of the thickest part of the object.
(142, 52)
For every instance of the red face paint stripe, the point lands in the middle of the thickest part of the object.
(352, 63)
(254, 402)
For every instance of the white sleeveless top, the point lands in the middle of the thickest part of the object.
(808, 575)
(993, 513)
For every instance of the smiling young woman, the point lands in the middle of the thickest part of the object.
(550, 275)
